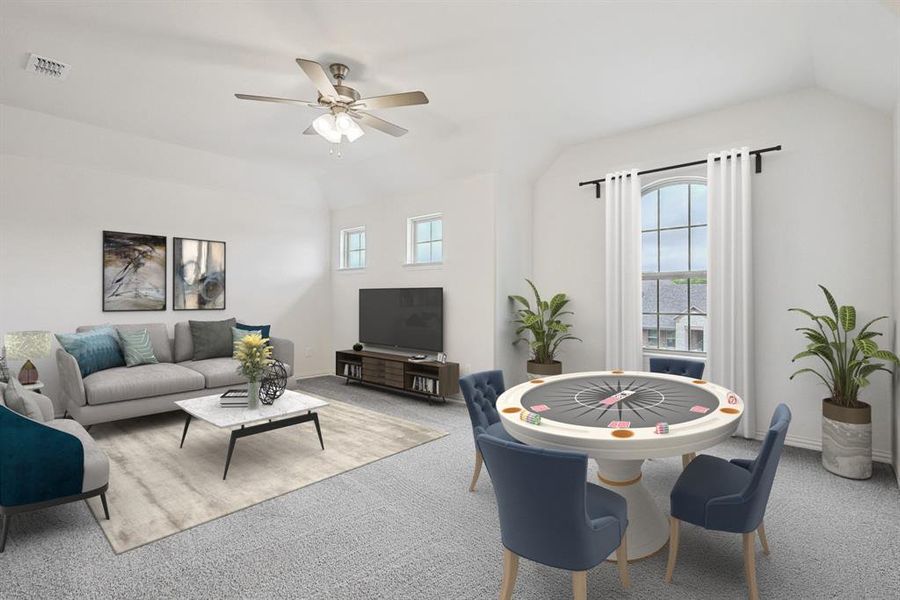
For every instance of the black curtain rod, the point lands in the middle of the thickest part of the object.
(758, 153)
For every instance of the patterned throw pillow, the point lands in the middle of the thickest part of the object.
(238, 334)
(137, 348)
(95, 350)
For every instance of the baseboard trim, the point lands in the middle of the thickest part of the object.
(814, 444)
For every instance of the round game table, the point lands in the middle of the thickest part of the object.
(614, 417)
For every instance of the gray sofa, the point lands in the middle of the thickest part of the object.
(125, 392)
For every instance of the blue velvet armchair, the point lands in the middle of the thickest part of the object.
(481, 391)
(550, 514)
(45, 462)
(730, 496)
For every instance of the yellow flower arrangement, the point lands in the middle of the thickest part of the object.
(254, 354)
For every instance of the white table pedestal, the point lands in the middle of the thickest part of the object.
(648, 528)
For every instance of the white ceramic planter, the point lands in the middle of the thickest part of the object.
(847, 441)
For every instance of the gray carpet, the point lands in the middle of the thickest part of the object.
(405, 527)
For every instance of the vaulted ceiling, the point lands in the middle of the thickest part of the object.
(509, 83)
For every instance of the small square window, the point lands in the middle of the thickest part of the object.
(353, 248)
(425, 239)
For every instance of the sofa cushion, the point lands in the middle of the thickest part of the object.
(184, 345)
(20, 400)
(136, 348)
(95, 350)
(96, 464)
(159, 337)
(212, 339)
(123, 383)
(218, 372)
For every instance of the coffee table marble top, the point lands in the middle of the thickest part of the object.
(290, 404)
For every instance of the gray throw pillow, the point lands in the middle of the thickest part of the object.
(212, 339)
(18, 399)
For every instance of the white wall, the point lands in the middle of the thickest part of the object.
(820, 216)
(62, 183)
(896, 254)
(467, 273)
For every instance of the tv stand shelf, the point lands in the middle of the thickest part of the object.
(428, 379)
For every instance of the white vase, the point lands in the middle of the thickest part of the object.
(253, 395)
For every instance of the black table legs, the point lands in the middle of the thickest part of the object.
(271, 425)
(187, 423)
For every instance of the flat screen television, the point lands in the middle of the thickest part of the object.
(410, 318)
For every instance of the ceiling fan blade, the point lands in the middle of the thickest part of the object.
(391, 101)
(379, 124)
(309, 131)
(318, 76)
(280, 100)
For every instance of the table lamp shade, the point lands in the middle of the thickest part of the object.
(25, 345)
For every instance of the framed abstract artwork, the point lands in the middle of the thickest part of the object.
(134, 271)
(198, 274)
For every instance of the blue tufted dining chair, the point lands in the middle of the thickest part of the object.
(550, 514)
(481, 391)
(683, 368)
(677, 366)
(730, 496)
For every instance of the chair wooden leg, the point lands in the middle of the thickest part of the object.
(579, 585)
(750, 563)
(687, 458)
(478, 462)
(510, 570)
(622, 560)
(4, 530)
(762, 537)
(673, 547)
(105, 506)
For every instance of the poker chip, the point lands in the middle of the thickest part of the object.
(530, 417)
(662, 428)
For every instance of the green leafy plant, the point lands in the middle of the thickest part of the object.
(847, 362)
(544, 323)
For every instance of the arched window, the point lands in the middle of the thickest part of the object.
(674, 256)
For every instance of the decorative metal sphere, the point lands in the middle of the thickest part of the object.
(273, 383)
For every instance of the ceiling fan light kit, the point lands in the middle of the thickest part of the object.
(344, 105)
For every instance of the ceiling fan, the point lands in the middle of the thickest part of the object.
(346, 110)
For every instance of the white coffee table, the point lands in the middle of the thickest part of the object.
(292, 408)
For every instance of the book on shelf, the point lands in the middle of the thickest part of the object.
(353, 370)
(427, 385)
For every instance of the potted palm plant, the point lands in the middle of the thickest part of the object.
(547, 330)
(846, 365)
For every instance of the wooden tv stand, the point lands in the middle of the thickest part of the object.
(429, 379)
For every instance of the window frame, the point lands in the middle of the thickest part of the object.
(412, 240)
(670, 275)
(344, 263)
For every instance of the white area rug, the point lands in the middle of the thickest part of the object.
(157, 489)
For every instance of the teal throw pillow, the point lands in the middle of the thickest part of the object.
(95, 350)
(238, 334)
(136, 348)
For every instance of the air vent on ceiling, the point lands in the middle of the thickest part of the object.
(47, 67)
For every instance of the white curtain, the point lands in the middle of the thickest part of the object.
(622, 196)
(730, 284)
